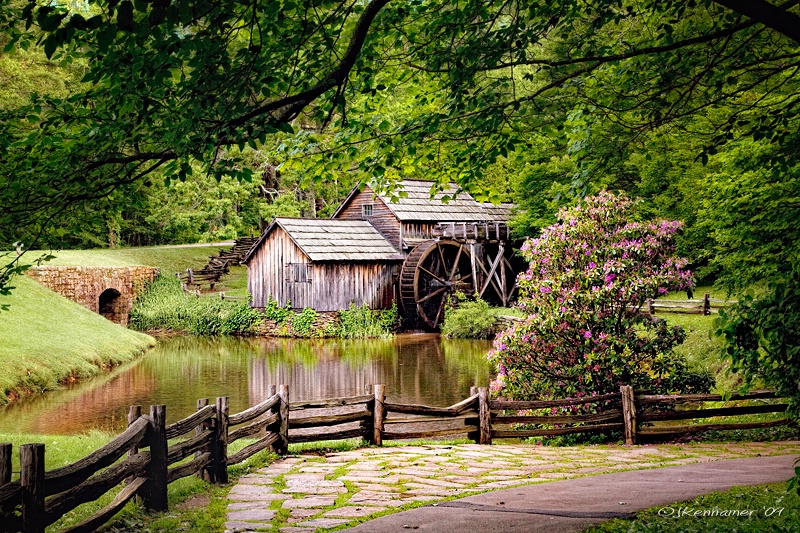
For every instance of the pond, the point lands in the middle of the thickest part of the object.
(416, 368)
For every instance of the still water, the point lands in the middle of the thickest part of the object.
(424, 369)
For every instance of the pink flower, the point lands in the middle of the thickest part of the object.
(587, 335)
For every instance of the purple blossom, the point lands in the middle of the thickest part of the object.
(587, 335)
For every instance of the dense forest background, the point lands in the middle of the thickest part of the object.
(691, 107)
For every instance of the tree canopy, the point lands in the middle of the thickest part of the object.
(381, 89)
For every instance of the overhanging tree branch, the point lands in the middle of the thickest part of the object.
(778, 18)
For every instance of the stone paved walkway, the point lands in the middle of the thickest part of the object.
(313, 493)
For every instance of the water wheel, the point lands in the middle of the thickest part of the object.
(433, 270)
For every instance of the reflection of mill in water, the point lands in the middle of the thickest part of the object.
(414, 371)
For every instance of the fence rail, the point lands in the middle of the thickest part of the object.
(706, 306)
(149, 454)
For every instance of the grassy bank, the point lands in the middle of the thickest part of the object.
(165, 306)
(46, 340)
(741, 510)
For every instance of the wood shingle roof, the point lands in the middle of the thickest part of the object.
(323, 239)
(418, 206)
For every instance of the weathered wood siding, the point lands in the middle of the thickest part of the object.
(266, 275)
(337, 285)
(418, 231)
(382, 217)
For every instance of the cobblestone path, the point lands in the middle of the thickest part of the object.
(304, 494)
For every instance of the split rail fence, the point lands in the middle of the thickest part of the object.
(706, 306)
(150, 454)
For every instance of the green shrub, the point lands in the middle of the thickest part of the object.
(359, 322)
(469, 319)
(164, 306)
(303, 321)
(276, 313)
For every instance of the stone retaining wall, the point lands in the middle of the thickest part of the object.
(324, 320)
(106, 290)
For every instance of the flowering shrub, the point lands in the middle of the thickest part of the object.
(586, 334)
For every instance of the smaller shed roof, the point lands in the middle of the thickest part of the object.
(323, 239)
(417, 205)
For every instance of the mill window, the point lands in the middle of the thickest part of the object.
(366, 210)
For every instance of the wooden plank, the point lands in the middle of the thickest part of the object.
(5, 462)
(187, 469)
(515, 405)
(219, 448)
(283, 430)
(335, 435)
(94, 487)
(683, 398)
(708, 413)
(190, 422)
(427, 434)
(605, 416)
(253, 428)
(254, 448)
(673, 430)
(32, 482)
(378, 414)
(628, 414)
(329, 402)
(61, 479)
(469, 419)
(453, 410)
(328, 420)
(554, 431)
(254, 412)
(184, 449)
(103, 515)
(10, 492)
(484, 417)
(154, 492)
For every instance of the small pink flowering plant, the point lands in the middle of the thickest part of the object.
(586, 333)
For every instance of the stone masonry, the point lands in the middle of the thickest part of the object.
(106, 290)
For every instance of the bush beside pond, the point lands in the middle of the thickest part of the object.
(165, 306)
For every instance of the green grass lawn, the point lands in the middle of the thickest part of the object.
(168, 259)
(46, 339)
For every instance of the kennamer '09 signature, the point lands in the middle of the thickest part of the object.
(693, 512)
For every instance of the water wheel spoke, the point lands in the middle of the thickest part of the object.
(432, 274)
(431, 295)
(439, 312)
(455, 264)
(441, 256)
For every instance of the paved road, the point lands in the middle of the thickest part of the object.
(307, 493)
(573, 505)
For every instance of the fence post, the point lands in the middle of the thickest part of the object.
(220, 446)
(473, 390)
(31, 459)
(134, 412)
(628, 413)
(707, 304)
(378, 414)
(283, 447)
(484, 417)
(5, 463)
(154, 491)
(651, 309)
(203, 472)
(190, 276)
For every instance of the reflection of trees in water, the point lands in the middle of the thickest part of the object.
(415, 368)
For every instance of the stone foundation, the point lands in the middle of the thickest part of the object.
(106, 290)
(324, 319)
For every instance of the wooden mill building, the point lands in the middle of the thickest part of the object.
(415, 250)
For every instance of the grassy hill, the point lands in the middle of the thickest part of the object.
(47, 340)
